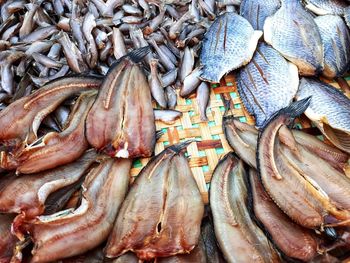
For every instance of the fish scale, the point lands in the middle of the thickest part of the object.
(267, 84)
(326, 7)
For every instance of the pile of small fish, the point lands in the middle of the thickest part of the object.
(77, 83)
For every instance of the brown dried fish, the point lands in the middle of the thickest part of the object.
(156, 84)
(7, 240)
(161, 214)
(121, 122)
(239, 238)
(69, 233)
(167, 116)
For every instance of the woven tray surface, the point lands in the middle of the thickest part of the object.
(211, 144)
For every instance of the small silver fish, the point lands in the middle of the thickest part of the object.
(203, 93)
(329, 110)
(267, 84)
(167, 116)
(228, 44)
(336, 41)
(156, 85)
(256, 11)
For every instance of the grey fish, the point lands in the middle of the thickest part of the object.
(326, 7)
(228, 44)
(336, 41)
(267, 84)
(293, 32)
(347, 16)
(256, 11)
(329, 110)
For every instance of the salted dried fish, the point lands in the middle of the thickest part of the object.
(171, 97)
(335, 38)
(228, 44)
(329, 110)
(293, 32)
(28, 23)
(239, 238)
(167, 116)
(169, 78)
(70, 143)
(66, 233)
(127, 128)
(40, 34)
(267, 83)
(7, 240)
(92, 256)
(163, 58)
(155, 22)
(46, 61)
(161, 214)
(294, 191)
(293, 240)
(175, 28)
(191, 82)
(26, 195)
(324, 7)
(89, 24)
(203, 93)
(156, 84)
(187, 63)
(256, 11)
(22, 118)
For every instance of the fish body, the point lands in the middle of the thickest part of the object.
(7, 240)
(326, 7)
(256, 11)
(336, 41)
(228, 44)
(329, 110)
(267, 83)
(293, 32)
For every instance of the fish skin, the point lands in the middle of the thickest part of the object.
(116, 123)
(7, 240)
(347, 16)
(326, 7)
(239, 238)
(256, 11)
(267, 83)
(162, 213)
(228, 44)
(293, 32)
(329, 110)
(336, 41)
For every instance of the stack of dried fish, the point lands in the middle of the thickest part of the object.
(77, 82)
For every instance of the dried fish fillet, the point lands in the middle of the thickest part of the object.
(121, 121)
(70, 143)
(336, 40)
(21, 119)
(329, 110)
(69, 233)
(293, 32)
(256, 11)
(27, 194)
(239, 238)
(295, 192)
(267, 84)
(7, 240)
(161, 214)
(326, 7)
(293, 240)
(228, 44)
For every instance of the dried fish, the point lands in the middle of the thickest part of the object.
(88, 25)
(297, 193)
(163, 58)
(191, 82)
(40, 34)
(70, 143)
(28, 23)
(171, 97)
(267, 83)
(46, 61)
(229, 44)
(167, 116)
(155, 23)
(324, 7)
(67, 233)
(329, 110)
(21, 119)
(169, 78)
(203, 93)
(239, 238)
(172, 203)
(7, 240)
(127, 128)
(335, 38)
(175, 29)
(187, 63)
(156, 85)
(293, 32)
(294, 241)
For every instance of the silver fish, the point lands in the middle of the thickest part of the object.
(229, 44)
(336, 41)
(203, 93)
(119, 48)
(256, 11)
(326, 7)
(171, 97)
(329, 110)
(156, 85)
(267, 84)
(293, 32)
(167, 116)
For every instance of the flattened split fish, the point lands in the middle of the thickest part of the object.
(293, 32)
(267, 84)
(326, 7)
(229, 44)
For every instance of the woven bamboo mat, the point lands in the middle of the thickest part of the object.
(212, 145)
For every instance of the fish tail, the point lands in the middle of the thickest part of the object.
(137, 55)
(297, 108)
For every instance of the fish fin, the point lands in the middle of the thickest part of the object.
(296, 108)
(339, 138)
(159, 134)
(177, 148)
(137, 55)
